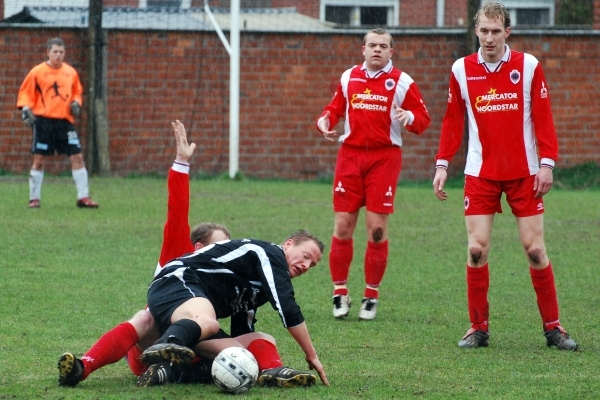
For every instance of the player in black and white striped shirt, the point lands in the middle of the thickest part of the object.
(230, 279)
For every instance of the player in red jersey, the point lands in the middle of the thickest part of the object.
(130, 338)
(377, 100)
(505, 96)
(49, 99)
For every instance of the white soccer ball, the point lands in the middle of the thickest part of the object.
(235, 370)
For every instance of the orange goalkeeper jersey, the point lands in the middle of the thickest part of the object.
(50, 91)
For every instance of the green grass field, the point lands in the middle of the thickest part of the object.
(68, 275)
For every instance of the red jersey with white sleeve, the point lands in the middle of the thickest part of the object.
(365, 100)
(509, 113)
(176, 233)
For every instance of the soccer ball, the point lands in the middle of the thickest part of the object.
(234, 370)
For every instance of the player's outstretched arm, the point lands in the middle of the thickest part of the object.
(302, 337)
(184, 150)
(315, 364)
(176, 232)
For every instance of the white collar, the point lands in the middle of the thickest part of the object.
(372, 74)
(504, 58)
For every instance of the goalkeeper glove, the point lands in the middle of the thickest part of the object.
(27, 116)
(75, 108)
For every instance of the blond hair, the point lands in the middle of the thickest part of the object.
(493, 10)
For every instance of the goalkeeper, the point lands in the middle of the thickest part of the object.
(49, 99)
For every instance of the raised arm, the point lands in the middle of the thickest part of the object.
(184, 150)
(176, 233)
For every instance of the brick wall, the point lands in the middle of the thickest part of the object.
(306, 7)
(418, 13)
(286, 80)
(455, 13)
(412, 13)
(423, 13)
(120, 3)
(571, 68)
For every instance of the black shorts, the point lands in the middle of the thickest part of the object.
(52, 135)
(167, 293)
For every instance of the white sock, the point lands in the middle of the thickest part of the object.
(80, 176)
(35, 184)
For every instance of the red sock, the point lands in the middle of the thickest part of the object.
(134, 361)
(266, 354)
(110, 348)
(375, 264)
(340, 258)
(545, 290)
(478, 283)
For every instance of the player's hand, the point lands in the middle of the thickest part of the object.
(75, 108)
(314, 363)
(438, 183)
(323, 125)
(184, 150)
(401, 115)
(543, 182)
(27, 116)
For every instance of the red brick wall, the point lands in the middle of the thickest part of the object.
(572, 69)
(306, 7)
(418, 13)
(423, 13)
(120, 3)
(455, 13)
(286, 80)
(15, 138)
(412, 13)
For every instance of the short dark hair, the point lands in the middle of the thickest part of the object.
(204, 230)
(55, 41)
(379, 31)
(303, 235)
(493, 10)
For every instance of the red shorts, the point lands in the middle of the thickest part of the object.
(482, 196)
(366, 178)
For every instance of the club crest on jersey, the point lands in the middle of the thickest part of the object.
(466, 203)
(389, 84)
(515, 76)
